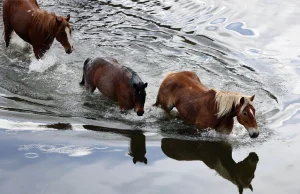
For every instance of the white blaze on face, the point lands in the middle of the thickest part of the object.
(68, 36)
(251, 112)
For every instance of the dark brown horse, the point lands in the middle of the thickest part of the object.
(37, 27)
(206, 108)
(116, 82)
(215, 155)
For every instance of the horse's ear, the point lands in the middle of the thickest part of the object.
(68, 17)
(252, 97)
(59, 19)
(242, 101)
(145, 85)
(250, 187)
(134, 85)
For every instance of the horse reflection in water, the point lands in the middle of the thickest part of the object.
(217, 156)
(137, 145)
(137, 148)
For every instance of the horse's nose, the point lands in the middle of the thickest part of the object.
(140, 113)
(69, 51)
(254, 135)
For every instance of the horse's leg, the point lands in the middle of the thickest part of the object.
(37, 52)
(167, 106)
(7, 33)
(91, 89)
(157, 102)
(82, 81)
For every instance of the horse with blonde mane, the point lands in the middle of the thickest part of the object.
(37, 27)
(204, 107)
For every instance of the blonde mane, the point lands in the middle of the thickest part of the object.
(226, 100)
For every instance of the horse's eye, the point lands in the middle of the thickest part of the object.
(63, 33)
(245, 114)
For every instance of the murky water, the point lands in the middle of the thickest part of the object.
(57, 138)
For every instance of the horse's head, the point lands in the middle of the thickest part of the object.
(244, 172)
(246, 115)
(63, 34)
(139, 97)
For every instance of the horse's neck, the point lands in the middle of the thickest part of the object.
(45, 26)
(225, 123)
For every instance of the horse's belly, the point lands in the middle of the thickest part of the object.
(21, 26)
(107, 87)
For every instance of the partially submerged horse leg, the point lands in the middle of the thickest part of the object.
(91, 89)
(167, 107)
(7, 33)
(38, 52)
(82, 81)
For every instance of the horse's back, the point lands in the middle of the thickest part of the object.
(18, 15)
(106, 74)
(183, 80)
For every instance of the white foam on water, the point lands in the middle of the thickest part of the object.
(31, 155)
(70, 150)
(41, 65)
(21, 126)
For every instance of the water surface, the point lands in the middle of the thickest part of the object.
(55, 137)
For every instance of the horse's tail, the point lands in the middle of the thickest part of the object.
(86, 62)
(84, 68)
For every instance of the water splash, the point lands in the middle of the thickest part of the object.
(43, 64)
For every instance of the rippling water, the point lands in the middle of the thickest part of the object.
(249, 47)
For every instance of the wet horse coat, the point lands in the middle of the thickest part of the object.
(206, 108)
(116, 82)
(37, 27)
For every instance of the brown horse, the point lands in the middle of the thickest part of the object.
(206, 108)
(116, 82)
(215, 155)
(37, 27)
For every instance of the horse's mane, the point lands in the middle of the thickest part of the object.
(135, 78)
(46, 24)
(226, 100)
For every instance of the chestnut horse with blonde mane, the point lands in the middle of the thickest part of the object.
(37, 27)
(204, 107)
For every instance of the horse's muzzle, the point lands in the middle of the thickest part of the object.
(253, 132)
(69, 51)
(140, 113)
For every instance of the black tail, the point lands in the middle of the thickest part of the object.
(84, 67)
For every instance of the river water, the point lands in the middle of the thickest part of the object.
(57, 138)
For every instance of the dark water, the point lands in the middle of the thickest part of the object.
(251, 47)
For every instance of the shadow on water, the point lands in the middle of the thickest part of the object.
(217, 156)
